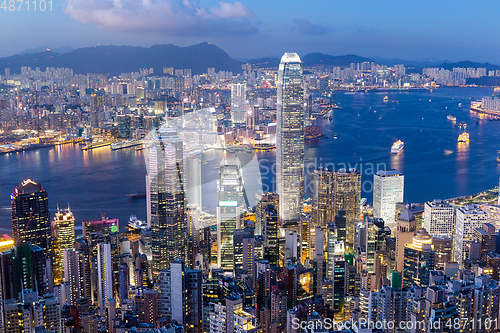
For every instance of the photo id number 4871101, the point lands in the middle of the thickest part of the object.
(26, 5)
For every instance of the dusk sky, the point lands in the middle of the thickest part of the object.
(414, 30)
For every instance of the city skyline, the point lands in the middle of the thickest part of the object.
(238, 27)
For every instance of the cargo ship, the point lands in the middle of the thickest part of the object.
(397, 147)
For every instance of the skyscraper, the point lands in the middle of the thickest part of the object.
(347, 196)
(271, 236)
(388, 189)
(238, 103)
(418, 260)
(104, 276)
(230, 205)
(166, 198)
(290, 138)
(322, 197)
(30, 216)
(439, 218)
(63, 238)
(468, 218)
(262, 201)
(75, 273)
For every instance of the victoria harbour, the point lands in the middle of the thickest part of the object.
(435, 166)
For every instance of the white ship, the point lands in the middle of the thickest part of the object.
(452, 118)
(397, 147)
(136, 224)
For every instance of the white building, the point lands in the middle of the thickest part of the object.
(229, 316)
(439, 218)
(388, 189)
(238, 103)
(468, 218)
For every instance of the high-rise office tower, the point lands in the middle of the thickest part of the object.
(230, 204)
(30, 216)
(439, 218)
(63, 238)
(321, 211)
(339, 279)
(82, 245)
(347, 196)
(388, 189)
(166, 198)
(271, 236)
(104, 276)
(262, 201)
(468, 218)
(418, 260)
(376, 233)
(181, 295)
(75, 273)
(290, 138)
(406, 226)
(238, 103)
(24, 267)
(243, 251)
(443, 251)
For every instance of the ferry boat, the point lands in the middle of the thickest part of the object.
(136, 224)
(335, 135)
(451, 117)
(397, 147)
(125, 144)
(464, 137)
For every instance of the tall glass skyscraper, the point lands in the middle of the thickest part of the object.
(30, 216)
(166, 199)
(230, 205)
(290, 138)
(63, 238)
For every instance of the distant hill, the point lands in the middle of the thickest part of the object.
(115, 60)
(408, 63)
(313, 59)
(450, 66)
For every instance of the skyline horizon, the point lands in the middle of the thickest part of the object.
(374, 58)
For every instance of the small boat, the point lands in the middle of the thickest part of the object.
(462, 124)
(498, 158)
(459, 105)
(335, 135)
(330, 118)
(451, 117)
(386, 98)
(447, 151)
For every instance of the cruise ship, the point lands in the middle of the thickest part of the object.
(464, 137)
(397, 147)
(451, 117)
(136, 224)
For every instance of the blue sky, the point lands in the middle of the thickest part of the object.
(414, 30)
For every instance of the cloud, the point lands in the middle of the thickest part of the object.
(307, 28)
(170, 17)
(229, 10)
